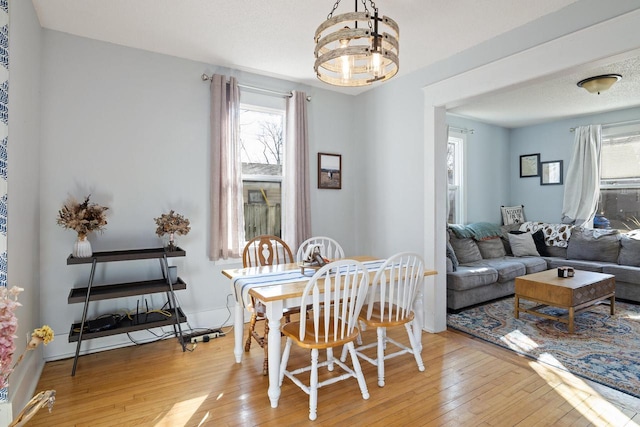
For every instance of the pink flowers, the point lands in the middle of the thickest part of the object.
(8, 327)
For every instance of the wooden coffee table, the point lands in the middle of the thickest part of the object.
(576, 293)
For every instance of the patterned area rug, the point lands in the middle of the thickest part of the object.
(604, 348)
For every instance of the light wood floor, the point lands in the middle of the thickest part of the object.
(467, 382)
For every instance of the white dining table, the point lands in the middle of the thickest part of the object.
(273, 286)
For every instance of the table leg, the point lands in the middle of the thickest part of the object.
(238, 331)
(274, 316)
(516, 308)
(613, 305)
(572, 313)
(418, 322)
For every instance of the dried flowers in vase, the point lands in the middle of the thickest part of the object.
(83, 218)
(172, 223)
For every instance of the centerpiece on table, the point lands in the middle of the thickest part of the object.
(83, 218)
(172, 223)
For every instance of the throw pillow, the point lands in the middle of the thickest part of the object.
(466, 250)
(629, 250)
(541, 246)
(452, 256)
(594, 245)
(512, 214)
(491, 248)
(523, 245)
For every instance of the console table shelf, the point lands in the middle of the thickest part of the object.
(80, 330)
(136, 323)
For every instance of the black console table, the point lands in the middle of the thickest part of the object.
(120, 290)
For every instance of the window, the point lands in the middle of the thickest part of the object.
(620, 177)
(455, 165)
(262, 156)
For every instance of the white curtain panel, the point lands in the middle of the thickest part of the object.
(227, 215)
(4, 135)
(297, 215)
(582, 185)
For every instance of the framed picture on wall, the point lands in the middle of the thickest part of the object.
(330, 171)
(529, 165)
(551, 173)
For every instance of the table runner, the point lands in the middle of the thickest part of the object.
(242, 284)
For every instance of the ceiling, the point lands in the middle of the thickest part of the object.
(275, 38)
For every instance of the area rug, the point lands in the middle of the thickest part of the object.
(604, 348)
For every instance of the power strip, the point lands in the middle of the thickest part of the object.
(206, 337)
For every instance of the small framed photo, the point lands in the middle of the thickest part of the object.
(529, 165)
(330, 171)
(551, 173)
(256, 196)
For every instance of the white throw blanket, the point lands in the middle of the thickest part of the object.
(554, 234)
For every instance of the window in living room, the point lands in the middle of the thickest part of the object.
(262, 156)
(619, 199)
(455, 170)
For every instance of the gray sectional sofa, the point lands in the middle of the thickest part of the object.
(483, 260)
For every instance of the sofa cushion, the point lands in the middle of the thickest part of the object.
(541, 246)
(508, 268)
(466, 250)
(594, 245)
(578, 264)
(532, 264)
(471, 277)
(491, 248)
(629, 250)
(522, 245)
(623, 273)
(451, 257)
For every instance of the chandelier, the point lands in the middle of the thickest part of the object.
(356, 48)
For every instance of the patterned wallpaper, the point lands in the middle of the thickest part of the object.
(4, 134)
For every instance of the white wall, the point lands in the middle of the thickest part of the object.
(131, 128)
(25, 45)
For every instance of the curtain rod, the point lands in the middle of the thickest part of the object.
(259, 89)
(627, 122)
(461, 130)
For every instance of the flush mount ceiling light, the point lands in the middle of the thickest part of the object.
(356, 48)
(599, 84)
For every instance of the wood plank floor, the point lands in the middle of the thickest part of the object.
(467, 382)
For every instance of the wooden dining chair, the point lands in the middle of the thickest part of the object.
(260, 251)
(329, 248)
(390, 304)
(335, 294)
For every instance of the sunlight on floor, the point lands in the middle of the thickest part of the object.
(183, 411)
(581, 396)
(517, 341)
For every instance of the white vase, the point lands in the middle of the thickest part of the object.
(82, 247)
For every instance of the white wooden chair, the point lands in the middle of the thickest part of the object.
(390, 303)
(329, 248)
(259, 251)
(335, 293)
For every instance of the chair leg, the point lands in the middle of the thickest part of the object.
(417, 347)
(285, 359)
(330, 359)
(358, 370)
(252, 327)
(265, 345)
(313, 387)
(382, 341)
(343, 355)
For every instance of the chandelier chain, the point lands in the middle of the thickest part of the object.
(335, 6)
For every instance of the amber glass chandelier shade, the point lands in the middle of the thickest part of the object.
(599, 84)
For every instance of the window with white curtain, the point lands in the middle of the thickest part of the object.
(619, 200)
(262, 157)
(455, 176)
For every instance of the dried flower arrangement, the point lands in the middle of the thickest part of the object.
(171, 224)
(82, 217)
(9, 326)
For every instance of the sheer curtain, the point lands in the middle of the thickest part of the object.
(582, 186)
(297, 218)
(226, 210)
